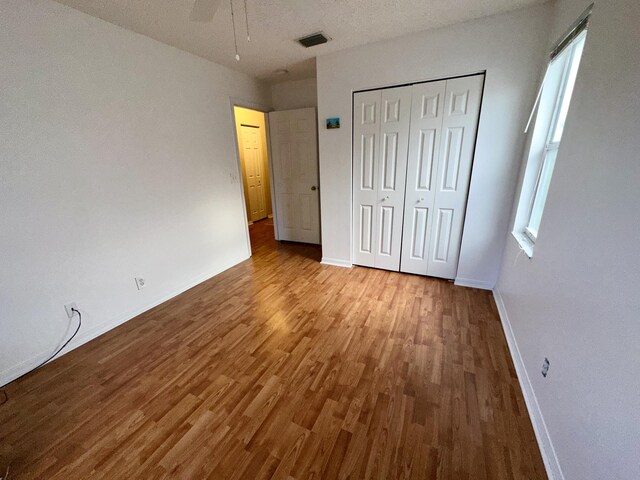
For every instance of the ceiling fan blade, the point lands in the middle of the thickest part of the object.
(204, 10)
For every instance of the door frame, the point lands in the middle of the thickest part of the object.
(239, 102)
(406, 84)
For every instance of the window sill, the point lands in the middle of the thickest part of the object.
(526, 245)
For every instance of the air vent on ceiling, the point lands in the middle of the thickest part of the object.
(313, 40)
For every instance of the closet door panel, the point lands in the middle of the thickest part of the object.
(366, 131)
(394, 138)
(457, 142)
(427, 110)
(413, 152)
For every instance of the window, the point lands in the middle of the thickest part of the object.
(552, 110)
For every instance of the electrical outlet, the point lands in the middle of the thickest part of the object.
(68, 307)
(545, 367)
(140, 283)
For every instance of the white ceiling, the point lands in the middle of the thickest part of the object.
(275, 24)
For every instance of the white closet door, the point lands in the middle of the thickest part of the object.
(394, 142)
(457, 143)
(294, 149)
(427, 110)
(366, 131)
(381, 134)
(253, 160)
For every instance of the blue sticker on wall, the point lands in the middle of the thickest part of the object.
(333, 122)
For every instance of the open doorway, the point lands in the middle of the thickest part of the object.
(254, 164)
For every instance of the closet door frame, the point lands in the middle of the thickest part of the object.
(355, 257)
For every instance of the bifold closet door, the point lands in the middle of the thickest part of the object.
(424, 149)
(442, 140)
(381, 135)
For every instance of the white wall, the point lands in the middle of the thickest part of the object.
(510, 47)
(115, 160)
(294, 94)
(576, 301)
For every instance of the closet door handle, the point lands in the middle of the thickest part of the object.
(420, 200)
(385, 199)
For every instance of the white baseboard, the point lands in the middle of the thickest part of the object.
(336, 262)
(468, 282)
(19, 369)
(551, 464)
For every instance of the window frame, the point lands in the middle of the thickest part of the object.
(539, 158)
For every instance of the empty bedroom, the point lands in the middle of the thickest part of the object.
(296, 239)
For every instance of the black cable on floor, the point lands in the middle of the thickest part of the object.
(6, 397)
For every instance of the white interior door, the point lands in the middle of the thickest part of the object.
(294, 153)
(253, 165)
(455, 159)
(381, 134)
(366, 126)
(427, 110)
(425, 134)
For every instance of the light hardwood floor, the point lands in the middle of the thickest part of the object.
(283, 368)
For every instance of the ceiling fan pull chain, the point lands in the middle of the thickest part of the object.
(233, 23)
(246, 20)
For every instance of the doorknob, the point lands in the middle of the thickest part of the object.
(421, 200)
(385, 198)
(314, 188)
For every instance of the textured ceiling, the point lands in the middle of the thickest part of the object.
(275, 24)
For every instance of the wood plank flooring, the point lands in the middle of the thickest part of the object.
(283, 368)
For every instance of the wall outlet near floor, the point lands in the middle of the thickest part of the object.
(545, 367)
(140, 283)
(68, 307)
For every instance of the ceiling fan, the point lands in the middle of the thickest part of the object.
(204, 10)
